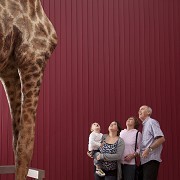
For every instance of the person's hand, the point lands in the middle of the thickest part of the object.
(98, 157)
(145, 153)
(89, 153)
(129, 157)
(102, 144)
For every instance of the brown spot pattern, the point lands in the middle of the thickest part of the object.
(14, 8)
(27, 38)
(40, 31)
(3, 3)
(7, 42)
(39, 43)
(6, 17)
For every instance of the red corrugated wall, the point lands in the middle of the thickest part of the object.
(113, 56)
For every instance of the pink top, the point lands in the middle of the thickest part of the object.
(129, 137)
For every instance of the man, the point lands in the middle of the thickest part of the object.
(151, 146)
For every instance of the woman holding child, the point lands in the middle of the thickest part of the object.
(110, 154)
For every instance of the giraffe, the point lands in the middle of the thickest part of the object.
(27, 40)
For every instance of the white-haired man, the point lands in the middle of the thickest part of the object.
(151, 146)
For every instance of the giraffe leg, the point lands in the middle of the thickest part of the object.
(31, 78)
(12, 86)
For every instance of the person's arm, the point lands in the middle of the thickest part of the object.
(113, 157)
(158, 141)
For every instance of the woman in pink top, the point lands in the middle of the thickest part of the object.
(129, 137)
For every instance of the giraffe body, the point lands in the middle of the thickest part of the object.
(27, 40)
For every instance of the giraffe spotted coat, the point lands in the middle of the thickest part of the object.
(27, 40)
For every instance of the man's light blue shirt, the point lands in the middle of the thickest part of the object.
(151, 130)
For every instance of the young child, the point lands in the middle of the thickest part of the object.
(94, 144)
